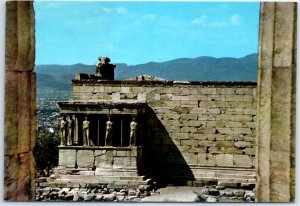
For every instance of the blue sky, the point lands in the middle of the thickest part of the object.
(139, 32)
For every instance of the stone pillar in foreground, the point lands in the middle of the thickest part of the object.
(20, 102)
(276, 103)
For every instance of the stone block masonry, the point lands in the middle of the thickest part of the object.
(188, 125)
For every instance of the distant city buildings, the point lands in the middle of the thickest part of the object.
(47, 108)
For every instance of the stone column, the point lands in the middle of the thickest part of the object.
(76, 130)
(276, 103)
(20, 102)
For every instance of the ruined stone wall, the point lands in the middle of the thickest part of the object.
(188, 125)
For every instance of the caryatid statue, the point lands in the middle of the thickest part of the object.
(63, 131)
(108, 133)
(70, 131)
(86, 132)
(133, 132)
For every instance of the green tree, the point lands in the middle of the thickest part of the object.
(46, 151)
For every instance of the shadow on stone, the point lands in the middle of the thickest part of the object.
(162, 160)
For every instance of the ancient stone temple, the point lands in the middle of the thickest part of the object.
(122, 132)
(188, 133)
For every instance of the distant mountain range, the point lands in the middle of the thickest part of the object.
(58, 77)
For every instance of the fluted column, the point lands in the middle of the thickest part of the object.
(276, 103)
(20, 102)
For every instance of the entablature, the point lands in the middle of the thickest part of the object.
(103, 107)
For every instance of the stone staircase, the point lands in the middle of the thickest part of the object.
(90, 179)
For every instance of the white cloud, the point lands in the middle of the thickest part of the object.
(235, 19)
(106, 9)
(199, 20)
(111, 9)
(121, 9)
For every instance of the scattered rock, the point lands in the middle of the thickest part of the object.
(120, 198)
(45, 195)
(220, 187)
(53, 176)
(149, 181)
(249, 196)
(130, 198)
(205, 191)
(132, 192)
(211, 199)
(47, 190)
(105, 190)
(39, 191)
(53, 195)
(75, 197)
(99, 197)
(55, 189)
(228, 184)
(111, 190)
(89, 197)
(146, 193)
(69, 197)
(65, 190)
(109, 197)
(213, 192)
(143, 188)
(201, 198)
(226, 193)
(238, 193)
(247, 186)
(124, 192)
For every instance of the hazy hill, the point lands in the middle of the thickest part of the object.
(196, 69)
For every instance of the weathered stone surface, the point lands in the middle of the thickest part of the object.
(190, 158)
(33, 111)
(141, 97)
(103, 159)
(277, 39)
(115, 96)
(242, 160)
(180, 98)
(26, 177)
(206, 159)
(11, 113)
(19, 102)
(243, 144)
(11, 175)
(224, 160)
(67, 158)
(85, 158)
(24, 111)
(20, 48)
(174, 194)
(211, 199)
(284, 35)
(124, 162)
